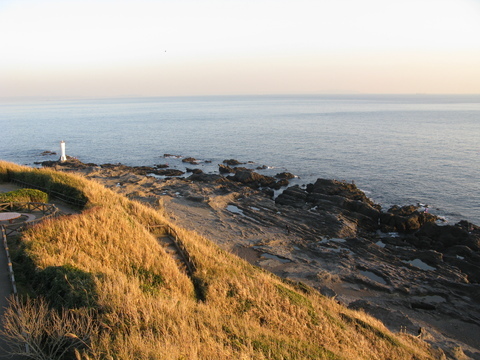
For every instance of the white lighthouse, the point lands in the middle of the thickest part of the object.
(63, 157)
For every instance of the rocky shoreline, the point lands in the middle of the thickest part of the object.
(402, 265)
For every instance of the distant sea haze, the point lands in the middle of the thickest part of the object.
(399, 149)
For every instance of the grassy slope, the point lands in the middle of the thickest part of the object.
(146, 307)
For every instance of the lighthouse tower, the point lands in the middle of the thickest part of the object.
(63, 157)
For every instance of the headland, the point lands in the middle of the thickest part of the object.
(401, 265)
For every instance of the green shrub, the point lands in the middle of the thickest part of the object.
(24, 195)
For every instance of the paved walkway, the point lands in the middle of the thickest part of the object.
(5, 283)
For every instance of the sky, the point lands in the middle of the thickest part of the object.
(106, 48)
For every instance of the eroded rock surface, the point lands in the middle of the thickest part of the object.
(401, 265)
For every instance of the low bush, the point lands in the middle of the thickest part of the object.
(24, 195)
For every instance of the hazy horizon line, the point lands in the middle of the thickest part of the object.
(136, 96)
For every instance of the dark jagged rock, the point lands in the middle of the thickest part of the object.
(459, 247)
(190, 160)
(224, 169)
(462, 251)
(433, 236)
(207, 178)
(71, 163)
(406, 210)
(246, 177)
(330, 195)
(363, 208)
(268, 192)
(252, 178)
(405, 219)
(169, 172)
(194, 171)
(340, 188)
(326, 291)
(285, 175)
(48, 153)
(473, 231)
(161, 166)
(241, 168)
(293, 196)
(47, 163)
(232, 162)
(114, 166)
(422, 305)
(281, 183)
(144, 170)
(469, 266)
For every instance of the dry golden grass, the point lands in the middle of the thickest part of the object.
(146, 307)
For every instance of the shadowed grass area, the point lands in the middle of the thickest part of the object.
(143, 306)
(66, 287)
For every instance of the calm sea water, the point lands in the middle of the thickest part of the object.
(399, 149)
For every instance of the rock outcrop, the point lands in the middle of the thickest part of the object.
(251, 178)
(285, 175)
(325, 195)
(334, 196)
(225, 169)
(232, 162)
(405, 219)
(190, 160)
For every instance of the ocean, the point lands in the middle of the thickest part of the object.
(399, 149)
